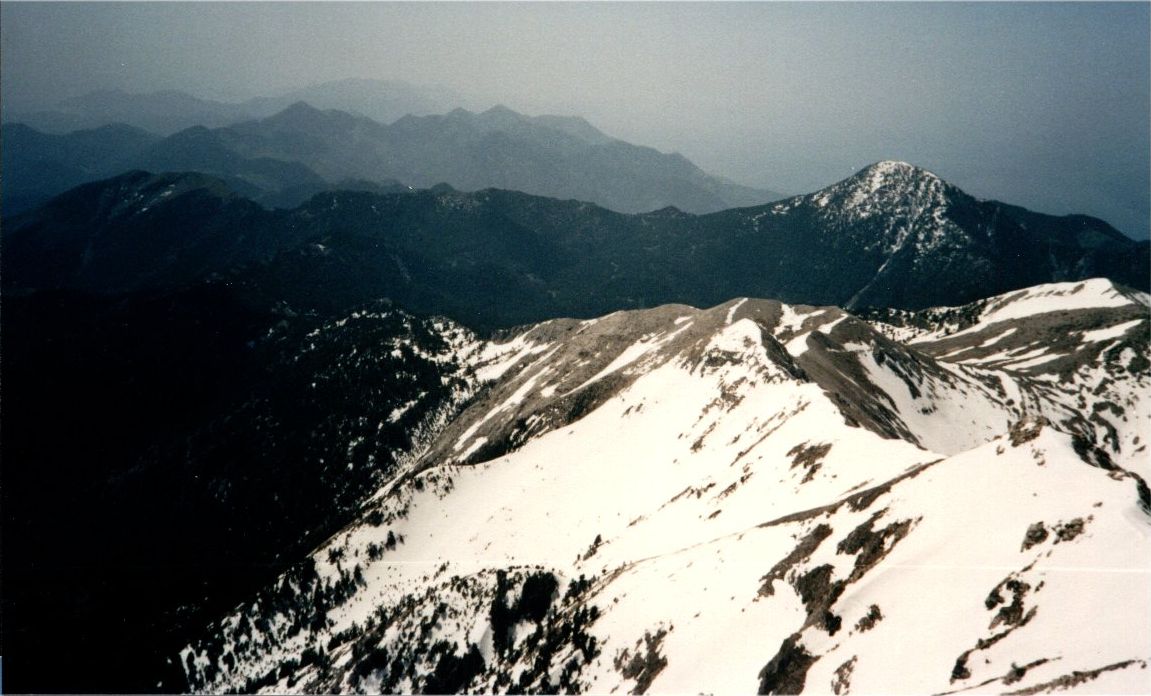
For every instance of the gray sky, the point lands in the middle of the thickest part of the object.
(1042, 105)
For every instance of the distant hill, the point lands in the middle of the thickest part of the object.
(166, 112)
(559, 157)
(162, 112)
(35, 165)
(284, 158)
(380, 100)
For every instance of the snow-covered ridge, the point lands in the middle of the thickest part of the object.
(629, 492)
(1061, 297)
(937, 323)
(1083, 346)
(1093, 314)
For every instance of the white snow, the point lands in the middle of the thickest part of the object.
(1112, 332)
(400, 410)
(944, 418)
(734, 307)
(792, 321)
(495, 359)
(1055, 297)
(646, 346)
(476, 444)
(702, 475)
(996, 339)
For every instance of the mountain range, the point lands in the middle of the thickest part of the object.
(757, 497)
(288, 414)
(284, 158)
(893, 235)
(166, 112)
(366, 500)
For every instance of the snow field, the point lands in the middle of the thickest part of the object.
(687, 486)
(934, 584)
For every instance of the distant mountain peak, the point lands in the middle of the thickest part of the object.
(893, 173)
(503, 110)
(898, 167)
(888, 187)
(299, 114)
(302, 116)
(300, 106)
(299, 109)
(667, 211)
(575, 126)
(501, 117)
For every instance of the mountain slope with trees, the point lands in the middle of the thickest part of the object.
(891, 236)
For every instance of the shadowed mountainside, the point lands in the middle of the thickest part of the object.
(891, 236)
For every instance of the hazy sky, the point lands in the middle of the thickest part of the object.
(1043, 105)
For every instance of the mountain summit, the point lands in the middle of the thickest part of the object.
(888, 183)
(916, 240)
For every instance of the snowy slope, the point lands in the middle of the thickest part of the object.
(755, 497)
(1083, 345)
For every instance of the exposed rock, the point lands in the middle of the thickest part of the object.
(644, 663)
(842, 682)
(1036, 534)
(787, 671)
(819, 592)
(1069, 530)
(868, 621)
(1010, 614)
(809, 457)
(872, 546)
(800, 553)
(1017, 672)
(1027, 429)
(1068, 681)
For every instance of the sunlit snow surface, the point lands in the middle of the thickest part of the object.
(759, 497)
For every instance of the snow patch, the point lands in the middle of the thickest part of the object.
(1055, 297)
(1099, 335)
